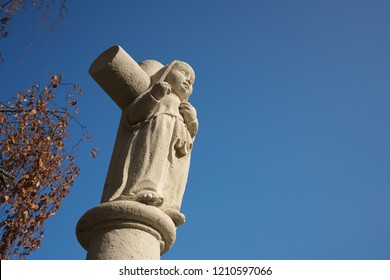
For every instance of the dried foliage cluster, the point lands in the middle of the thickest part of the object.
(37, 164)
(36, 169)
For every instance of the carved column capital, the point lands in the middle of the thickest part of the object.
(125, 230)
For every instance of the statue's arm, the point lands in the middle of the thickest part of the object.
(143, 106)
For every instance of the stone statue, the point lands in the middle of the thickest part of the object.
(161, 126)
(141, 200)
(151, 158)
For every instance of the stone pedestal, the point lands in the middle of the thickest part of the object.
(125, 230)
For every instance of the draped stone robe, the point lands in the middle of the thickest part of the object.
(152, 152)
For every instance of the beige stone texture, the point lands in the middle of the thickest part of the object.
(119, 75)
(151, 158)
(123, 230)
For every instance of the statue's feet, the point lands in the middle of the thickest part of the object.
(149, 198)
(177, 217)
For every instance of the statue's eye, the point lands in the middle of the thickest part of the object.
(183, 72)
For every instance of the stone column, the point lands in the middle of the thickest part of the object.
(125, 230)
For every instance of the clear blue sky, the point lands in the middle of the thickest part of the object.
(292, 160)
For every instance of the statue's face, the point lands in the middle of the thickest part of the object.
(181, 78)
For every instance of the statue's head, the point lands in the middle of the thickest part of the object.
(181, 77)
(178, 74)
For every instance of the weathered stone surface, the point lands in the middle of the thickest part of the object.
(122, 230)
(119, 75)
(151, 158)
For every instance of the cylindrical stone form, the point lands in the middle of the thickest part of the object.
(125, 230)
(123, 244)
(119, 75)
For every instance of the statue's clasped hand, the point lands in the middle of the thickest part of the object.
(187, 111)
